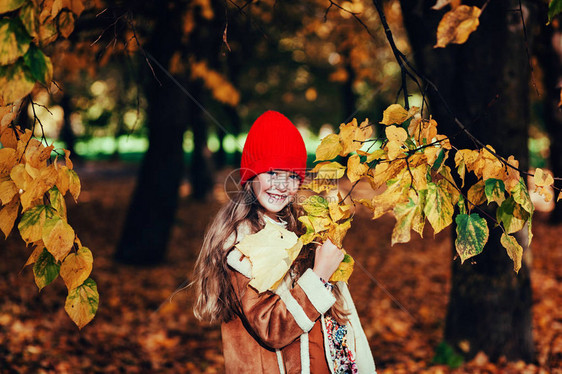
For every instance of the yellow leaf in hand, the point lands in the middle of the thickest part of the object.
(271, 251)
(344, 270)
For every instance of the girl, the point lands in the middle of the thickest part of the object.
(306, 325)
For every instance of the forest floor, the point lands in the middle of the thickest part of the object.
(401, 297)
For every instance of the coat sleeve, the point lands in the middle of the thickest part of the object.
(278, 318)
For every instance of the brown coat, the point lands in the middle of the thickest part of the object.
(282, 332)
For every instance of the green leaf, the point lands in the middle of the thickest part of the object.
(514, 250)
(316, 206)
(9, 5)
(39, 64)
(512, 215)
(438, 207)
(14, 40)
(472, 235)
(554, 8)
(446, 355)
(82, 303)
(494, 190)
(439, 160)
(16, 82)
(521, 196)
(32, 222)
(45, 269)
(462, 205)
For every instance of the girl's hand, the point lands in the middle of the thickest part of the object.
(327, 259)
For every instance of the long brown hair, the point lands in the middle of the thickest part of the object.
(214, 291)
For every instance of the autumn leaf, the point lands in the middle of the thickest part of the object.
(39, 65)
(28, 19)
(337, 232)
(352, 136)
(476, 194)
(396, 114)
(8, 190)
(76, 267)
(543, 183)
(472, 235)
(329, 148)
(58, 237)
(8, 160)
(512, 215)
(344, 270)
(442, 3)
(45, 269)
(16, 82)
(338, 211)
(494, 190)
(14, 40)
(355, 168)
(457, 25)
(438, 208)
(39, 247)
(8, 215)
(57, 202)
(32, 222)
(316, 206)
(407, 216)
(65, 22)
(82, 303)
(271, 251)
(514, 250)
(330, 170)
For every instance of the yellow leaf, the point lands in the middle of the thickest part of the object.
(407, 214)
(16, 82)
(8, 215)
(7, 160)
(396, 134)
(385, 171)
(338, 211)
(331, 170)
(439, 208)
(394, 114)
(35, 254)
(21, 177)
(543, 179)
(32, 222)
(82, 303)
(271, 251)
(329, 148)
(352, 136)
(74, 185)
(57, 202)
(320, 223)
(476, 194)
(320, 185)
(69, 163)
(396, 193)
(376, 155)
(448, 184)
(457, 25)
(559, 197)
(394, 150)
(419, 175)
(355, 168)
(8, 190)
(37, 188)
(76, 268)
(514, 250)
(47, 30)
(344, 270)
(37, 154)
(444, 141)
(338, 231)
(423, 131)
(493, 169)
(512, 175)
(442, 3)
(431, 154)
(58, 237)
(76, 6)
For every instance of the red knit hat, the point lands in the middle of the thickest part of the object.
(272, 143)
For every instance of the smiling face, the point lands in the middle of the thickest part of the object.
(275, 189)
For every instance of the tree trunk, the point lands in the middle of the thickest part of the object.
(153, 206)
(485, 82)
